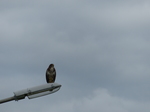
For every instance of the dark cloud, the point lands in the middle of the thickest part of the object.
(96, 46)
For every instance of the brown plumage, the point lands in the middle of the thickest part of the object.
(50, 74)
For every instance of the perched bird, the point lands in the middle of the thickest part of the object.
(50, 74)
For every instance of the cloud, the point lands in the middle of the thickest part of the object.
(100, 100)
(98, 44)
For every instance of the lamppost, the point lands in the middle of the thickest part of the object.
(33, 92)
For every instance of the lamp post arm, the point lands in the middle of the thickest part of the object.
(33, 92)
(7, 99)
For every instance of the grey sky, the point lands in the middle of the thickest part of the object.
(100, 50)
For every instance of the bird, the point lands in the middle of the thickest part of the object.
(50, 74)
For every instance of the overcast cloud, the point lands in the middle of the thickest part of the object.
(100, 50)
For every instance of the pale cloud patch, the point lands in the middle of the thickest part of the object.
(100, 100)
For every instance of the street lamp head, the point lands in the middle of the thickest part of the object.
(37, 91)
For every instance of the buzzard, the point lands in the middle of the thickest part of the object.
(50, 74)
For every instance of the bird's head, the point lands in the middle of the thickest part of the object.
(51, 65)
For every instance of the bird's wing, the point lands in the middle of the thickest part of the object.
(54, 76)
(47, 77)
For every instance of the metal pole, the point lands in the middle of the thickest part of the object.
(7, 99)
